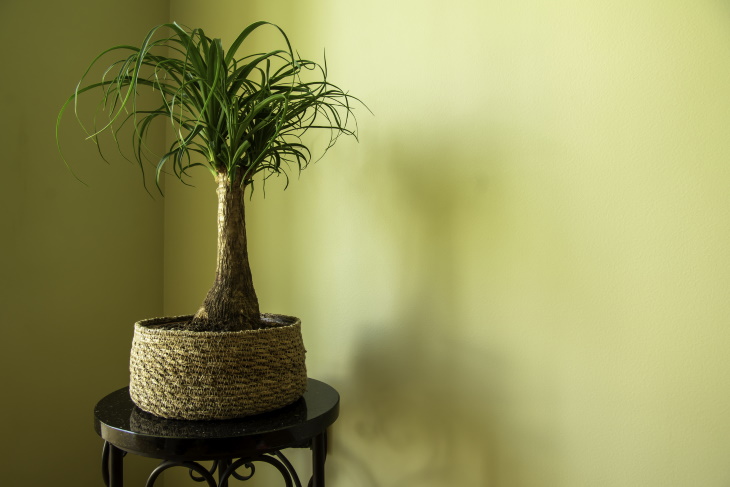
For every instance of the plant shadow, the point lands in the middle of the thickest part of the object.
(427, 399)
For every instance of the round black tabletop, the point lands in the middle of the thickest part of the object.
(121, 423)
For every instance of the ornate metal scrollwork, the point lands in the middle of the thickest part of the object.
(289, 467)
(250, 466)
(225, 468)
(201, 478)
(284, 467)
(205, 474)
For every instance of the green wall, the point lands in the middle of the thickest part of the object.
(518, 278)
(78, 264)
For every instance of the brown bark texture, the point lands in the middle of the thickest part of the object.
(231, 303)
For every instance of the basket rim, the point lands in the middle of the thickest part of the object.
(154, 326)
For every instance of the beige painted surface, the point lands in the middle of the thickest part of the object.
(78, 265)
(519, 277)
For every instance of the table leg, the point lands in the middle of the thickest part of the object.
(116, 466)
(222, 466)
(319, 454)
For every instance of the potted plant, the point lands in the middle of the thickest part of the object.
(241, 117)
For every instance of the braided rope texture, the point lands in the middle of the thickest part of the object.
(193, 375)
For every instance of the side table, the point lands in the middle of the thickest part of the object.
(232, 444)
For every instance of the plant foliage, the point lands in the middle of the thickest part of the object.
(238, 115)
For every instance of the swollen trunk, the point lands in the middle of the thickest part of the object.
(231, 304)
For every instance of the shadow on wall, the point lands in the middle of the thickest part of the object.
(428, 400)
(411, 419)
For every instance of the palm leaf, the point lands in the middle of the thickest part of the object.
(228, 112)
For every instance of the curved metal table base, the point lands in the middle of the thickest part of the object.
(227, 469)
(112, 468)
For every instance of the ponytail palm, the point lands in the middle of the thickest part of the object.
(242, 117)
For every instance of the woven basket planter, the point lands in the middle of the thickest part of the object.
(181, 374)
